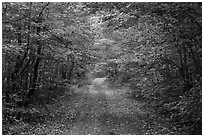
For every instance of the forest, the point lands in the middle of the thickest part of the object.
(106, 68)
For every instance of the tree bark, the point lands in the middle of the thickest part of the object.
(71, 69)
(37, 63)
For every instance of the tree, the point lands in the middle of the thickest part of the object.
(153, 48)
(160, 53)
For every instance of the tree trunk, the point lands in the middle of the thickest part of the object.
(182, 71)
(186, 70)
(70, 74)
(37, 63)
(35, 73)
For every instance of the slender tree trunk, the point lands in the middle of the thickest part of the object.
(186, 70)
(37, 63)
(71, 69)
(35, 73)
(182, 66)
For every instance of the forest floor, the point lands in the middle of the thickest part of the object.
(100, 111)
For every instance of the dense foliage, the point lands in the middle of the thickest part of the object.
(43, 49)
(159, 57)
(155, 49)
